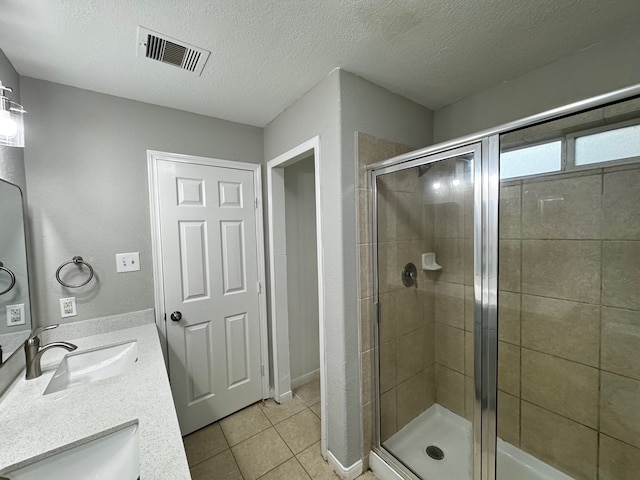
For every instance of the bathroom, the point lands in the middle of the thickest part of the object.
(86, 177)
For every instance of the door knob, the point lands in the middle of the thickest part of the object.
(176, 316)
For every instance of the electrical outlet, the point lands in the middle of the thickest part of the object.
(15, 315)
(68, 307)
(127, 262)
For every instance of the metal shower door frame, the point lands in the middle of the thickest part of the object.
(486, 188)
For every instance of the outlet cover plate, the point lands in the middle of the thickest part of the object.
(15, 315)
(127, 262)
(68, 307)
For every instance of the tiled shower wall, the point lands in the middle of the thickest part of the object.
(569, 331)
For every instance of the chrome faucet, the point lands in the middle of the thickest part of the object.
(33, 351)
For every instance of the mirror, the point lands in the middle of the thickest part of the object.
(15, 308)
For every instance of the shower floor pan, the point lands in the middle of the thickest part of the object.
(452, 434)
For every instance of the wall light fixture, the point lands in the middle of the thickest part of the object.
(11, 124)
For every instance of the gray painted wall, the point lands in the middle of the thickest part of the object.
(602, 68)
(302, 268)
(86, 165)
(334, 109)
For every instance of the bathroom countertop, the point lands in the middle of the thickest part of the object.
(34, 425)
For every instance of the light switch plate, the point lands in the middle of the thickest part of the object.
(127, 262)
(68, 307)
(15, 315)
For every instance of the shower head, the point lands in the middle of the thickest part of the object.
(422, 169)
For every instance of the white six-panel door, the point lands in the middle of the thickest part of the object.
(210, 276)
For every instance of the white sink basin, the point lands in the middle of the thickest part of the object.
(93, 365)
(115, 455)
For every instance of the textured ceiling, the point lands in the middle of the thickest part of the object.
(267, 53)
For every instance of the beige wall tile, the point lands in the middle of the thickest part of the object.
(408, 215)
(428, 305)
(509, 310)
(367, 428)
(468, 261)
(622, 108)
(410, 354)
(366, 373)
(364, 216)
(450, 347)
(510, 209)
(563, 443)
(386, 207)
(450, 389)
(410, 251)
(388, 278)
(388, 426)
(565, 329)
(388, 366)
(468, 308)
(621, 341)
(621, 275)
(402, 148)
(371, 150)
(428, 221)
(449, 303)
(618, 461)
(469, 360)
(570, 208)
(450, 255)
(430, 385)
(388, 316)
(429, 344)
(407, 180)
(366, 324)
(409, 304)
(411, 398)
(621, 205)
(509, 265)
(365, 278)
(449, 218)
(567, 388)
(509, 368)
(568, 269)
(620, 408)
(508, 418)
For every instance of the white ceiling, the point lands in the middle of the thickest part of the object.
(267, 53)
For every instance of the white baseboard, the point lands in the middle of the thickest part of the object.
(346, 473)
(284, 397)
(304, 379)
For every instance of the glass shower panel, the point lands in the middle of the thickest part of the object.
(569, 315)
(425, 255)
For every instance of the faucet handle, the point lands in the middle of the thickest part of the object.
(39, 330)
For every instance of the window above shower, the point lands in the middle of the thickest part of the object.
(606, 138)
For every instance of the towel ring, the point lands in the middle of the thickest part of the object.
(11, 274)
(76, 261)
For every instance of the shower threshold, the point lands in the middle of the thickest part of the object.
(452, 434)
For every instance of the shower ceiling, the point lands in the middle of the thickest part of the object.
(267, 54)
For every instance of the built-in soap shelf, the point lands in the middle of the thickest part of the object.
(429, 262)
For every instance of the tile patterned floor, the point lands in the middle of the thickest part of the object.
(264, 441)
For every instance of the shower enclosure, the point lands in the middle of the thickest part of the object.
(507, 290)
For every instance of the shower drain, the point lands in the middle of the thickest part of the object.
(435, 452)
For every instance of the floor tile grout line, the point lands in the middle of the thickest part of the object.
(235, 460)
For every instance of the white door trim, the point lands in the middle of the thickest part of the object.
(153, 156)
(277, 276)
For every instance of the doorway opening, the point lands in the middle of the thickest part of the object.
(296, 286)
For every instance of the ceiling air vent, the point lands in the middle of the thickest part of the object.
(155, 46)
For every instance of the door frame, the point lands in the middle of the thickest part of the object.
(278, 274)
(153, 156)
